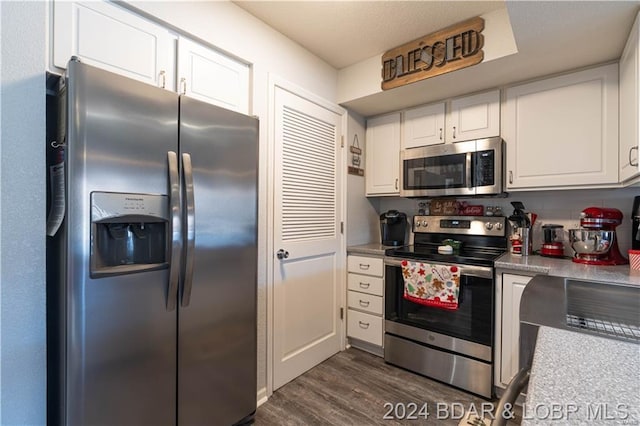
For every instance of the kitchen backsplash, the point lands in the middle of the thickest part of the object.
(558, 207)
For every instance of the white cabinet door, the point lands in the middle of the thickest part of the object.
(512, 288)
(630, 106)
(474, 117)
(212, 77)
(563, 131)
(382, 155)
(424, 126)
(110, 37)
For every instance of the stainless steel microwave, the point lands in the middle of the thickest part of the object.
(462, 168)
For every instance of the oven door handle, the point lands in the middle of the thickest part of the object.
(469, 270)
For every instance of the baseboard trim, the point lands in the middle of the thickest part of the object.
(262, 396)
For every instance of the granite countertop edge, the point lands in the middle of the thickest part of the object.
(563, 375)
(621, 274)
(370, 249)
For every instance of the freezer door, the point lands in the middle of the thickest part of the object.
(120, 337)
(217, 310)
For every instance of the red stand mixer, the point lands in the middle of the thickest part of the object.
(596, 242)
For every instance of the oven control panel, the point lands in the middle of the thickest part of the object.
(493, 226)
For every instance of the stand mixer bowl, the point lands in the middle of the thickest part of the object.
(591, 242)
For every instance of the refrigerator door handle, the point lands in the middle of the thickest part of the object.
(176, 230)
(187, 180)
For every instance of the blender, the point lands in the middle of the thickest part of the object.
(552, 245)
(596, 242)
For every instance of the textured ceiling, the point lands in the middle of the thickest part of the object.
(345, 32)
(551, 37)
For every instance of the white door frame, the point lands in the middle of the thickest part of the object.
(273, 82)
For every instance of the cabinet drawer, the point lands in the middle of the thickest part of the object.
(364, 327)
(365, 284)
(366, 265)
(364, 302)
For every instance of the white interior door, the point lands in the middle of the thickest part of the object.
(308, 276)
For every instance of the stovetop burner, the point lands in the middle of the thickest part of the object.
(475, 256)
(483, 240)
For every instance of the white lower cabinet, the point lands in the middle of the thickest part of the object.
(509, 288)
(365, 302)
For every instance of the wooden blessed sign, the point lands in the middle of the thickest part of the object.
(453, 48)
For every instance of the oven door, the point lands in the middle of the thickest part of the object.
(467, 330)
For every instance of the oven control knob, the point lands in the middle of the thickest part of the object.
(424, 223)
(489, 225)
(499, 226)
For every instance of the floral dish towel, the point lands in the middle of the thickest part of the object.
(431, 284)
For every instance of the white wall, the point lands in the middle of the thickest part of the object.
(559, 207)
(22, 213)
(362, 213)
(234, 31)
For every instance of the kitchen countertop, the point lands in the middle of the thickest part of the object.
(585, 379)
(371, 249)
(566, 268)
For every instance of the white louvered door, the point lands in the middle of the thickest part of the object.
(308, 276)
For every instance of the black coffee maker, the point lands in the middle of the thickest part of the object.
(393, 228)
(635, 228)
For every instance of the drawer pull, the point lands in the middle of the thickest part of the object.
(364, 303)
(364, 325)
(364, 285)
(364, 266)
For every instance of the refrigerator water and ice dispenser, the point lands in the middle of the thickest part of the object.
(129, 233)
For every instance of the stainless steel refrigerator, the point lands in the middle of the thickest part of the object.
(152, 271)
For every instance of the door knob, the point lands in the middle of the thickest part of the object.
(282, 254)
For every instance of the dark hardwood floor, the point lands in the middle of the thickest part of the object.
(356, 388)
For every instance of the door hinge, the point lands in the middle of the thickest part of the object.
(341, 313)
(342, 141)
(342, 227)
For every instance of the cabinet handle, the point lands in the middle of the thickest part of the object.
(440, 133)
(364, 303)
(364, 325)
(364, 266)
(364, 285)
(630, 159)
(510, 176)
(396, 184)
(183, 84)
(454, 132)
(163, 78)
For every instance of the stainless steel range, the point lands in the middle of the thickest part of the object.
(450, 345)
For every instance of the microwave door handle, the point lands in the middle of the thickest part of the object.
(468, 171)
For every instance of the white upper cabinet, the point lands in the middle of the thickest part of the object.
(474, 117)
(110, 37)
(382, 154)
(209, 76)
(563, 131)
(468, 118)
(424, 126)
(630, 106)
